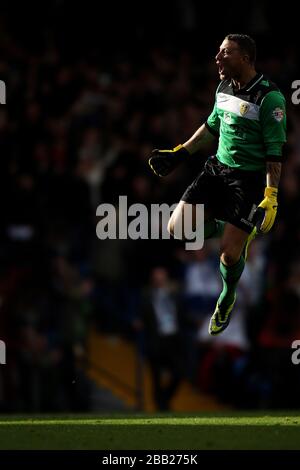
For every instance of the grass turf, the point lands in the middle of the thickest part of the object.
(205, 431)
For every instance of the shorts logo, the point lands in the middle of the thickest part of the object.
(278, 114)
(244, 108)
(251, 214)
(247, 222)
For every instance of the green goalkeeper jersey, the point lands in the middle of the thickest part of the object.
(250, 124)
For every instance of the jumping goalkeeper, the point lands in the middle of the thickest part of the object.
(249, 120)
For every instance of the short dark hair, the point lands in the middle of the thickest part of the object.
(245, 43)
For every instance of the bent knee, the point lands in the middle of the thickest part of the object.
(170, 227)
(177, 222)
(229, 258)
(175, 228)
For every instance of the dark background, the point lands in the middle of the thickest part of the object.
(92, 88)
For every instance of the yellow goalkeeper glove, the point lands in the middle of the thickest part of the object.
(269, 205)
(162, 162)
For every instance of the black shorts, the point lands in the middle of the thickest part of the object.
(228, 194)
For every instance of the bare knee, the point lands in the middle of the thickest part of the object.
(175, 227)
(229, 258)
(176, 223)
(182, 220)
(170, 226)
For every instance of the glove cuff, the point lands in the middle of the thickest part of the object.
(271, 192)
(182, 150)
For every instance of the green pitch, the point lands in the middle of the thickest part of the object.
(206, 431)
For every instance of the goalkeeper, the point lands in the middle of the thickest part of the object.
(249, 121)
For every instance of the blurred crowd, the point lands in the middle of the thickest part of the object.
(82, 114)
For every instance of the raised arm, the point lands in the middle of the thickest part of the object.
(200, 139)
(162, 162)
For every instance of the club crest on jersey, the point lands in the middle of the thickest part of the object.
(278, 114)
(244, 108)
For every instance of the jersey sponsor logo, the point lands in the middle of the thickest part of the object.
(244, 108)
(227, 117)
(278, 114)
